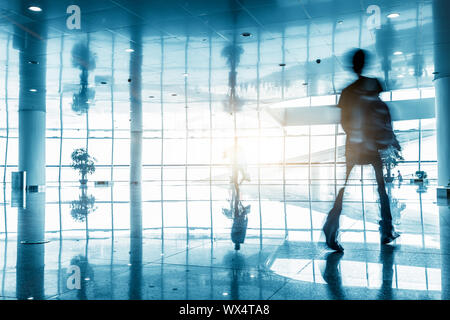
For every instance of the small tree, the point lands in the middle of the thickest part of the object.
(390, 158)
(84, 163)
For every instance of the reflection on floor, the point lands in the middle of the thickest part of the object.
(38, 264)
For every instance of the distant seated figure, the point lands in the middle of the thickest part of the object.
(421, 174)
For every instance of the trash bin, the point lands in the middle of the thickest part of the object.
(18, 180)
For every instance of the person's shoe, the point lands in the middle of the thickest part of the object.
(387, 232)
(237, 246)
(331, 231)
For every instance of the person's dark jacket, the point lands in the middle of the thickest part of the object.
(366, 120)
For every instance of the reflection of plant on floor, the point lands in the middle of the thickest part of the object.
(390, 158)
(82, 207)
(396, 210)
(396, 205)
(85, 60)
(83, 99)
(422, 187)
(83, 162)
(232, 54)
(82, 57)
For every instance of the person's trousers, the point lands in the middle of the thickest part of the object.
(335, 213)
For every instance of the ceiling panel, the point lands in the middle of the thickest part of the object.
(311, 39)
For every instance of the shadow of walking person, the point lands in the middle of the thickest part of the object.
(236, 263)
(332, 276)
(387, 255)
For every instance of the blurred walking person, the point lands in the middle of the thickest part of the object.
(399, 176)
(367, 123)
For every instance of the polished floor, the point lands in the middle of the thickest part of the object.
(272, 263)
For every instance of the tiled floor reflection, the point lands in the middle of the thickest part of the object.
(272, 264)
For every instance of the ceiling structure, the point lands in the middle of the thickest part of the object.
(289, 48)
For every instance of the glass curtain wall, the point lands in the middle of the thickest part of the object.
(294, 171)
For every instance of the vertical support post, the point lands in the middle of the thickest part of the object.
(210, 141)
(161, 79)
(442, 85)
(30, 248)
(32, 105)
(186, 49)
(258, 96)
(136, 108)
(136, 129)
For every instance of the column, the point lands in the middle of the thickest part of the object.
(135, 129)
(441, 17)
(30, 248)
(136, 107)
(135, 288)
(31, 42)
(136, 277)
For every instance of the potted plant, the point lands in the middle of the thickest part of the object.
(390, 158)
(84, 163)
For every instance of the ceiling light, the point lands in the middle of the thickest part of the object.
(185, 74)
(282, 64)
(246, 34)
(393, 15)
(340, 22)
(34, 9)
(33, 90)
(400, 76)
(398, 53)
(129, 50)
